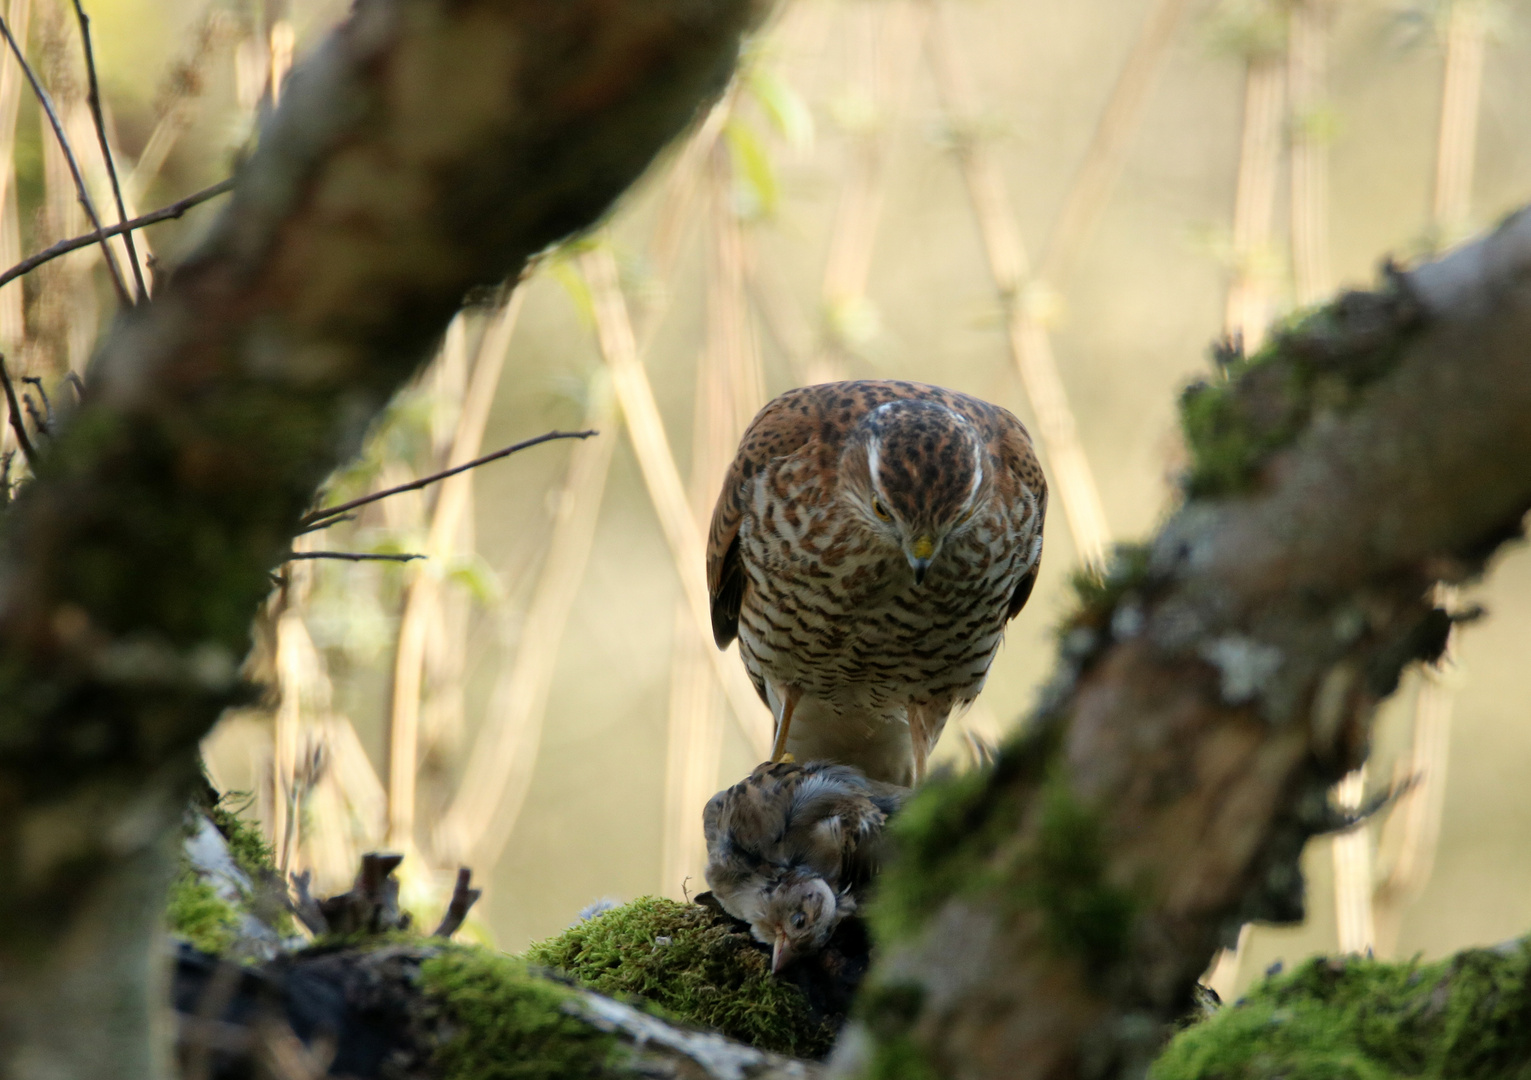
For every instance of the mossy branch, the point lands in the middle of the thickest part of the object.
(1050, 919)
(428, 147)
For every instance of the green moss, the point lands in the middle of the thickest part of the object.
(1083, 913)
(957, 835)
(197, 913)
(900, 1058)
(944, 836)
(1356, 1019)
(694, 965)
(1099, 595)
(1319, 361)
(505, 1023)
(249, 849)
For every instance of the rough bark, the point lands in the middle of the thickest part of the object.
(1048, 919)
(429, 147)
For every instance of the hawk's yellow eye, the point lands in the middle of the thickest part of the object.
(880, 510)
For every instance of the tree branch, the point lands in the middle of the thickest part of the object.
(427, 148)
(1048, 919)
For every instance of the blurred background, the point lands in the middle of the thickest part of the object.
(1057, 207)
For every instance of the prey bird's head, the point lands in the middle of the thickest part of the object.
(800, 913)
(914, 471)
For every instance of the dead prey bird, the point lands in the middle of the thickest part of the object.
(792, 848)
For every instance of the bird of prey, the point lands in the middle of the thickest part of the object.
(791, 847)
(871, 542)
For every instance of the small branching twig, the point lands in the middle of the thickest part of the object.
(425, 481)
(74, 165)
(44, 423)
(94, 98)
(64, 247)
(39, 421)
(463, 899)
(17, 424)
(326, 523)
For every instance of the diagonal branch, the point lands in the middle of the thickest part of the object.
(1050, 918)
(217, 410)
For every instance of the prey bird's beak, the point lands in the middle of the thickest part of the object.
(920, 553)
(781, 955)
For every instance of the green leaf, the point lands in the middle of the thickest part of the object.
(785, 107)
(566, 274)
(752, 165)
(473, 573)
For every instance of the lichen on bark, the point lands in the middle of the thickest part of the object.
(1214, 685)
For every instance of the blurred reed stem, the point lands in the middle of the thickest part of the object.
(1250, 304)
(483, 813)
(667, 492)
(1251, 300)
(883, 39)
(1093, 182)
(1312, 281)
(1310, 125)
(12, 324)
(730, 389)
(1412, 831)
(1069, 470)
(1457, 140)
(1355, 926)
(422, 595)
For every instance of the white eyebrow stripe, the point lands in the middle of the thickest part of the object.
(978, 454)
(874, 463)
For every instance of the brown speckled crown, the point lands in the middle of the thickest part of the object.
(926, 456)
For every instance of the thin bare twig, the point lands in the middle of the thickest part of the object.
(426, 481)
(350, 556)
(64, 247)
(326, 523)
(74, 165)
(17, 424)
(463, 899)
(39, 421)
(94, 99)
(45, 425)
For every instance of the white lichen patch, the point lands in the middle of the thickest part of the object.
(1246, 666)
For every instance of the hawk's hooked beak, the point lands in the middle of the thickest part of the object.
(781, 955)
(919, 554)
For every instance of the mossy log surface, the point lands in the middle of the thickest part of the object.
(1353, 1018)
(1049, 919)
(399, 1007)
(426, 149)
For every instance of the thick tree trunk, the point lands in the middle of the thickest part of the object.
(1048, 919)
(431, 146)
